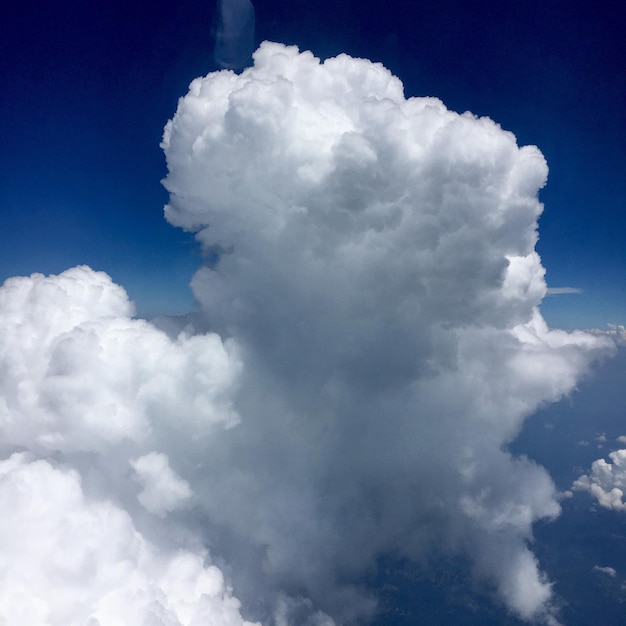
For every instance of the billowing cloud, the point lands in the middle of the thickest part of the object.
(163, 491)
(68, 559)
(617, 332)
(373, 258)
(369, 344)
(94, 397)
(606, 481)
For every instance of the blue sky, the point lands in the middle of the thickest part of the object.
(87, 88)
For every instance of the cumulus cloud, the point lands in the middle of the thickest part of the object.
(163, 491)
(369, 344)
(68, 559)
(80, 375)
(93, 396)
(616, 332)
(606, 481)
(373, 258)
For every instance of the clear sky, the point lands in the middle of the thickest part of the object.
(88, 87)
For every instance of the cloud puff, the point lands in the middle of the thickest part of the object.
(607, 481)
(163, 491)
(68, 559)
(609, 571)
(373, 258)
(78, 374)
(96, 398)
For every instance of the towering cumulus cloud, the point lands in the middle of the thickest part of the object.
(377, 271)
(234, 37)
(371, 293)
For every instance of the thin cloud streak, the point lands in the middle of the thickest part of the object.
(557, 291)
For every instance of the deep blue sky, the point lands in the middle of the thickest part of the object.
(88, 86)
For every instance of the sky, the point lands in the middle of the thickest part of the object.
(298, 345)
(88, 89)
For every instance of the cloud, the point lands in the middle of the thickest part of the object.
(616, 332)
(373, 260)
(69, 559)
(557, 291)
(163, 491)
(606, 482)
(95, 397)
(609, 571)
(369, 344)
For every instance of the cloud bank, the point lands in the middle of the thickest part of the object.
(370, 342)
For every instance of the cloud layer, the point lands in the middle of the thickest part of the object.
(370, 342)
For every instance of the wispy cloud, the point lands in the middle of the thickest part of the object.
(557, 291)
(609, 571)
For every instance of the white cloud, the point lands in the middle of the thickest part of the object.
(68, 559)
(557, 291)
(377, 270)
(80, 375)
(616, 332)
(163, 491)
(375, 344)
(88, 390)
(607, 481)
